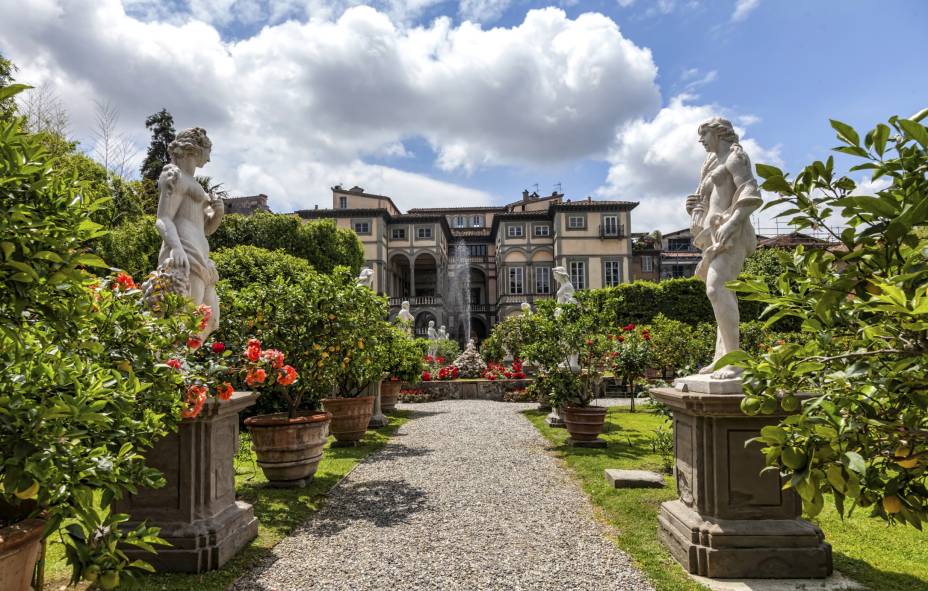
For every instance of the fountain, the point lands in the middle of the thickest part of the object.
(459, 293)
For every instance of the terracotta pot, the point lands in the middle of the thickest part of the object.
(19, 549)
(586, 423)
(350, 416)
(289, 450)
(389, 395)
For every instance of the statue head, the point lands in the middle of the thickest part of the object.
(431, 324)
(526, 307)
(405, 305)
(560, 274)
(716, 130)
(191, 143)
(442, 328)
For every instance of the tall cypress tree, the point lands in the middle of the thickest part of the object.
(161, 125)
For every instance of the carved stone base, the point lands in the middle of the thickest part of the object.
(732, 520)
(556, 418)
(743, 548)
(197, 510)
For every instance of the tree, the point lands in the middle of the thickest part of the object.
(44, 112)
(767, 263)
(862, 433)
(161, 125)
(111, 149)
(8, 104)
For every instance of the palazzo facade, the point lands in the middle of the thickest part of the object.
(506, 251)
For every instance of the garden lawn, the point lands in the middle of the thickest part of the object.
(882, 557)
(279, 511)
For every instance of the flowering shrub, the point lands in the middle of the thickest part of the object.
(631, 355)
(437, 370)
(498, 371)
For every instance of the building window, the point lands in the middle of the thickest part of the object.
(399, 233)
(578, 274)
(516, 276)
(424, 233)
(612, 273)
(542, 230)
(542, 279)
(362, 227)
(678, 244)
(647, 264)
(610, 225)
(343, 203)
(515, 230)
(478, 221)
(460, 221)
(576, 222)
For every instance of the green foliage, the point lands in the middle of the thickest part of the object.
(632, 354)
(243, 265)
(863, 353)
(132, 246)
(448, 348)
(161, 125)
(404, 358)
(8, 103)
(320, 242)
(509, 336)
(85, 391)
(766, 263)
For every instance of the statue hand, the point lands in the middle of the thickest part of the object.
(692, 202)
(180, 260)
(725, 235)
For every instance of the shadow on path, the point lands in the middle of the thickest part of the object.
(383, 503)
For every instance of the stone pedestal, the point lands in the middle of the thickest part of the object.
(378, 419)
(196, 510)
(556, 418)
(731, 521)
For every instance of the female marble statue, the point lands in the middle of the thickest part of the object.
(565, 292)
(720, 220)
(186, 216)
(433, 339)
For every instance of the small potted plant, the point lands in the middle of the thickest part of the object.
(405, 366)
(585, 422)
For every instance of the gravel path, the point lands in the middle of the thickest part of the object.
(463, 498)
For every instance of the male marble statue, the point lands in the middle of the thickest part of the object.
(187, 214)
(442, 333)
(433, 339)
(720, 220)
(366, 278)
(406, 317)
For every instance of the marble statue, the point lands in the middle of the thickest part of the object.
(526, 308)
(187, 214)
(433, 339)
(720, 220)
(565, 293)
(366, 278)
(442, 333)
(405, 317)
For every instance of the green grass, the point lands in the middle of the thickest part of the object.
(279, 512)
(883, 558)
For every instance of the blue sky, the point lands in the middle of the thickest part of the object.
(440, 102)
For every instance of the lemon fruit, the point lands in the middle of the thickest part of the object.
(892, 504)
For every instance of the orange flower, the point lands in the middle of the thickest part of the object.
(253, 350)
(195, 399)
(124, 281)
(255, 376)
(275, 357)
(224, 392)
(286, 376)
(206, 312)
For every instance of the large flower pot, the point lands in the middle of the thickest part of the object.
(350, 417)
(389, 395)
(584, 423)
(289, 450)
(19, 549)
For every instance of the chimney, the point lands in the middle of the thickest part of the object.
(317, 206)
(525, 195)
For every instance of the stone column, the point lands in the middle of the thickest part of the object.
(731, 521)
(197, 510)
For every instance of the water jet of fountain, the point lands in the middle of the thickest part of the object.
(459, 292)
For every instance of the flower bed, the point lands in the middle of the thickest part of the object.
(477, 389)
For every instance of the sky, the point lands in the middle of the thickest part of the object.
(441, 103)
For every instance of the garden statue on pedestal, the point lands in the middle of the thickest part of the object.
(433, 339)
(187, 214)
(405, 317)
(733, 518)
(205, 530)
(442, 333)
(366, 278)
(720, 221)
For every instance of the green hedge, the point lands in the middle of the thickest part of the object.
(639, 302)
(243, 265)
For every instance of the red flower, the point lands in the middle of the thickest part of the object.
(426, 376)
(173, 363)
(629, 327)
(255, 376)
(124, 281)
(194, 342)
(275, 357)
(224, 392)
(253, 350)
(429, 359)
(218, 347)
(646, 335)
(440, 360)
(206, 312)
(455, 372)
(287, 375)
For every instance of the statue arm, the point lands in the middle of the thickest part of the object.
(747, 194)
(168, 204)
(214, 212)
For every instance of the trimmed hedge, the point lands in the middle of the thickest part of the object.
(243, 265)
(639, 302)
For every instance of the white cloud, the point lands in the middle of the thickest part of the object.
(743, 8)
(657, 161)
(294, 108)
